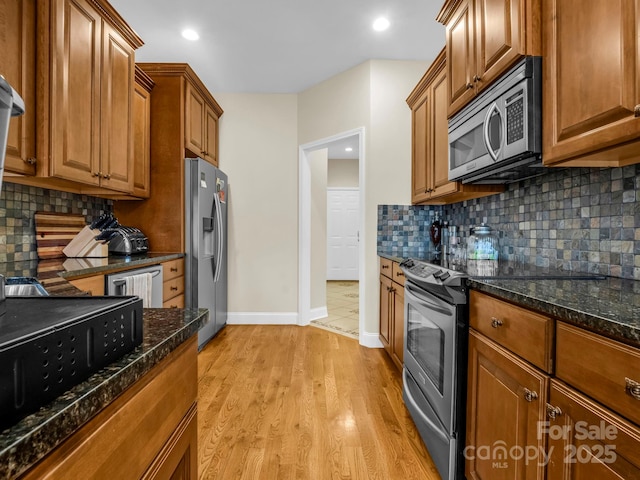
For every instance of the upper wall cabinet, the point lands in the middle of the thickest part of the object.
(86, 55)
(201, 125)
(430, 146)
(142, 134)
(591, 83)
(18, 66)
(484, 38)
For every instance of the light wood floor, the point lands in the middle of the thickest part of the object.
(290, 402)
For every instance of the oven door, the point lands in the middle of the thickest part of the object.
(429, 349)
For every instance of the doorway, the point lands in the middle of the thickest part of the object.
(305, 221)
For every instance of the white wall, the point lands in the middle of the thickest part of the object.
(371, 95)
(343, 173)
(259, 152)
(259, 138)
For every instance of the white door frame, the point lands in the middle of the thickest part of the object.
(304, 224)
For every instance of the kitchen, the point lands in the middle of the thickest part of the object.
(341, 111)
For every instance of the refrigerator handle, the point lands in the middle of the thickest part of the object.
(220, 237)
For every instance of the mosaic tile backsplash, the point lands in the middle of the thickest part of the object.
(580, 219)
(18, 205)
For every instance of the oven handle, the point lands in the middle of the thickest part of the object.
(440, 307)
(424, 418)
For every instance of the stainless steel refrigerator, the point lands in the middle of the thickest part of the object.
(206, 201)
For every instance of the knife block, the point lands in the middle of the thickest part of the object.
(85, 245)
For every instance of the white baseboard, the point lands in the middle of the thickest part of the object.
(317, 313)
(371, 340)
(262, 318)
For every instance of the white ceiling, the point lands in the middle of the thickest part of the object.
(281, 46)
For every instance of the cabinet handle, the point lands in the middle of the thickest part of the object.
(530, 396)
(632, 388)
(469, 86)
(385, 266)
(636, 111)
(477, 78)
(399, 274)
(174, 269)
(173, 288)
(96, 174)
(107, 176)
(495, 323)
(33, 161)
(553, 412)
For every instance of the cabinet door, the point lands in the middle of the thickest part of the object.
(439, 148)
(591, 83)
(502, 416)
(194, 117)
(461, 63)
(210, 135)
(420, 144)
(589, 441)
(141, 140)
(75, 89)
(397, 353)
(117, 77)
(385, 311)
(18, 66)
(499, 34)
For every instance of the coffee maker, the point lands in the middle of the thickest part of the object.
(11, 105)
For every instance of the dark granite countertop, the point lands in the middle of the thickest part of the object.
(609, 306)
(54, 273)
(32, 438)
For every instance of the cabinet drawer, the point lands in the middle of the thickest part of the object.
(599, 368)
(172, 288)
(173, 269)
(386, 267)
(175, 302)
(398, 275)
(525, 333)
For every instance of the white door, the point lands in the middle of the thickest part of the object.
(343, 206)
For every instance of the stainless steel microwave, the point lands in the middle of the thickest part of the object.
(497, 137)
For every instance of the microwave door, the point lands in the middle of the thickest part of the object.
(493, 130)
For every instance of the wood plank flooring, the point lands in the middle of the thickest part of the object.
(290, 402)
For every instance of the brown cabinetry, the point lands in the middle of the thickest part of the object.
(581, 424)
(147, 432)
(18, 66)
(93, 285)
(430, 143)
(161, 216)
(86, 57)
(587, 440)
(142, 134)
(392, 310)
(484, 38)
(505, 403)
(201, 126)
(591, 85)
(173, 283)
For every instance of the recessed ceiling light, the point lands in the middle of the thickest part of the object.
(190, 34)
(348, 149)
(381, 24)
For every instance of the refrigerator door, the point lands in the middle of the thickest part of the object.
(205, 282)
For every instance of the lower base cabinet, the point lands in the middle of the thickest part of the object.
(587, 440)
(392, 310)
(150, 431)
(528, 417)
(505, 405)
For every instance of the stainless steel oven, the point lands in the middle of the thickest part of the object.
(435, 357)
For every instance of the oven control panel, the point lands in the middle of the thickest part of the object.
(431, 273)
